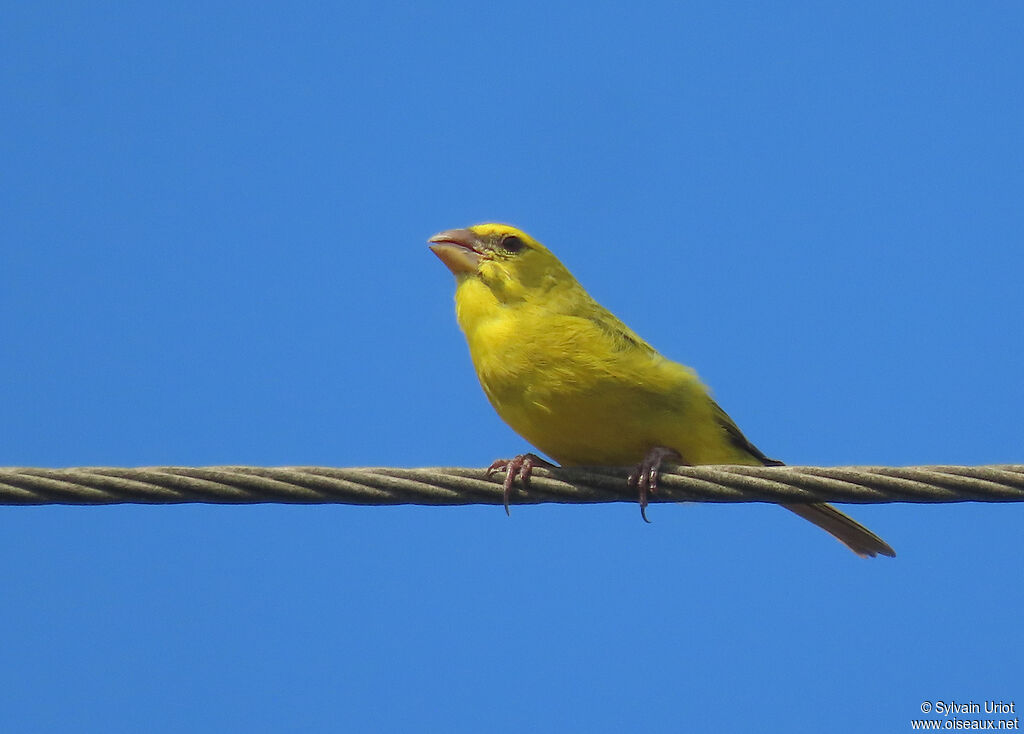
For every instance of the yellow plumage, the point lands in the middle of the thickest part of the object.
(575, 381)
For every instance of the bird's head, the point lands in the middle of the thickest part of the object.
(508, 261)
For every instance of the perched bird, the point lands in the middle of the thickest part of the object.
(578, 384)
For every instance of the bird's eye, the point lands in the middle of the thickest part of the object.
(513, 244)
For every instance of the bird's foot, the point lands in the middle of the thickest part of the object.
(645, 476)
(521, 466)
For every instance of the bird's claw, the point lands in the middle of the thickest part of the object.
(521, 466)
(645, 476)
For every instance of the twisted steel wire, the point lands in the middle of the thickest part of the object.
(463, 486)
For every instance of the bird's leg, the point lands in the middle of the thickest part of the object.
(521, 466)
(645, 476)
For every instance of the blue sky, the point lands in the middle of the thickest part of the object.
(212, 248)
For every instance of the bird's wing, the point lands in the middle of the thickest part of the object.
(737, 438)
(621, 336)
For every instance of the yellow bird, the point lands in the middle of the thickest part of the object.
(578, 384)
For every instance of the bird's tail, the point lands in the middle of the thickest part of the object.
(855, 536)
(850, 532)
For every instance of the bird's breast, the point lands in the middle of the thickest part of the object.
(568, 393)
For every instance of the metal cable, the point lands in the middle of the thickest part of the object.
(461, 486)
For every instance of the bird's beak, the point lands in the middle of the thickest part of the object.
(457, 249)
